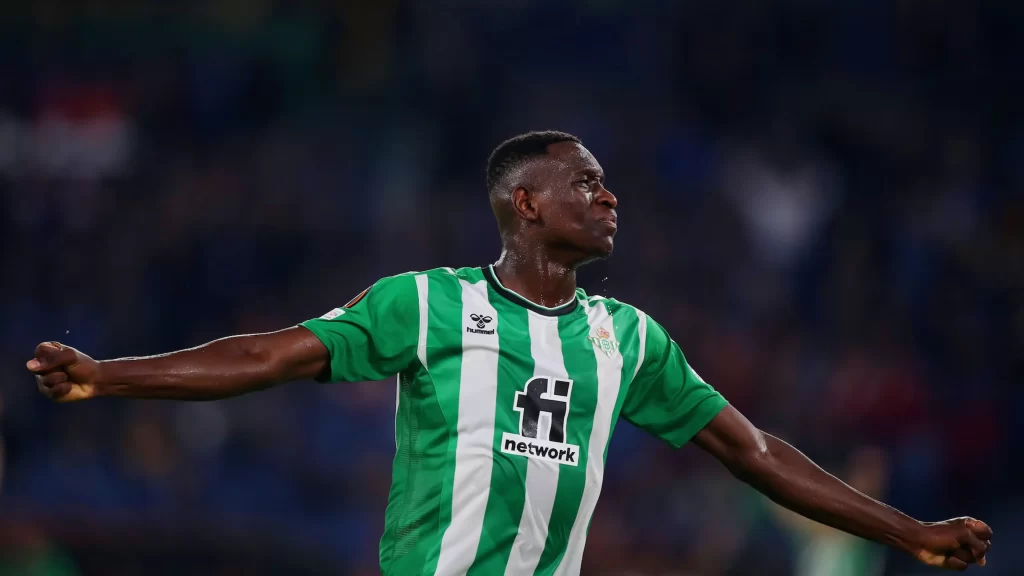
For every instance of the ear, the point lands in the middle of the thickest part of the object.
(524, 204)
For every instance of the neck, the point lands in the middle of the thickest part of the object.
(534, 275)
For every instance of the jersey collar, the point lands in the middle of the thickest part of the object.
(492, 279)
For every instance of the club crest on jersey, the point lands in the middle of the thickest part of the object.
(604, 342)
(543, 407)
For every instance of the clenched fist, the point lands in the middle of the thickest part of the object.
(62, 373)
(955, 543)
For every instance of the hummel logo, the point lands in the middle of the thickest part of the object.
(481, 323)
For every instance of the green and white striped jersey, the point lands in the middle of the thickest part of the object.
(504, 413)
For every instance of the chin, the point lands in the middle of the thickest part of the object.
(596, 247)
(604, 250)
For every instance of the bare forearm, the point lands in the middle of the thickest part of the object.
(789, 478)
(216, 370)
(219, 369)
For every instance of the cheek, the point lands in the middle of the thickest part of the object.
(578, 211)
(568, 215)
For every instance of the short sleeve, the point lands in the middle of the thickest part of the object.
(667, 398)
(374, 336)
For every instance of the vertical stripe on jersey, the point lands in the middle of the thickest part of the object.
(609, 378)
(632, 356)
(421, 342)
(578, 354)
(541, 476)
(631, 326)
(444, 332)
(641, 334)
(422, 285)
(475, 429)
(515, 367)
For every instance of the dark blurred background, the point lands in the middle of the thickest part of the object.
(822, 202)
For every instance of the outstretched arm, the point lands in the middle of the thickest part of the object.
(222, 368)
(789, 478)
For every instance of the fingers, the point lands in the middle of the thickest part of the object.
(954, 563)
(47, 347)
(977, 545)
(54, 386)
(964, 555)
(50, 355)
(52, 379)
(979, 528)
(58, 392)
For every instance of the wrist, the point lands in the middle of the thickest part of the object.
(101, 379)
(910, 536)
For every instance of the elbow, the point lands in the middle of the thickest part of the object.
(755, 463)
(258, 357)
(752, 466)
(255, 352)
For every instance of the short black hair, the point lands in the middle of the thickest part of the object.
(512, 152)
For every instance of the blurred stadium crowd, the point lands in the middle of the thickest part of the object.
(821, 201)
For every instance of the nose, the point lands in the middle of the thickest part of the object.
(606, 198)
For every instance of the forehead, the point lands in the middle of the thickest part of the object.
(570, 157)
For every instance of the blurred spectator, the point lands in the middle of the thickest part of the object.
(823, 550)
(3, 451)
(30, 553)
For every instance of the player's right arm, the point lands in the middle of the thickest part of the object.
(219, 369)
(372, 337)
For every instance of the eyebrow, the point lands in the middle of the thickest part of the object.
(589, 172)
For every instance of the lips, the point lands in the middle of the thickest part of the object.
(610, 221)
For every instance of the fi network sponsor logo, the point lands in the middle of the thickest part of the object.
(534, 448)
(543, 408)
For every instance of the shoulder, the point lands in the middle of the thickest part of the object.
(611, 304)
(629, 318)
(417, 283)
(450, 274)
(442, 273)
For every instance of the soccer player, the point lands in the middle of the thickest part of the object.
(510, 382)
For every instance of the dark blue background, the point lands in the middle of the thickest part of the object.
(821, 201)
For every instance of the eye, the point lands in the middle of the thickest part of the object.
(584, 184)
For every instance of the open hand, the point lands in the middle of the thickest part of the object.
(953, 544)
(63, 374)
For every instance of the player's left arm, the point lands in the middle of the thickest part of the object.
(792, 480)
